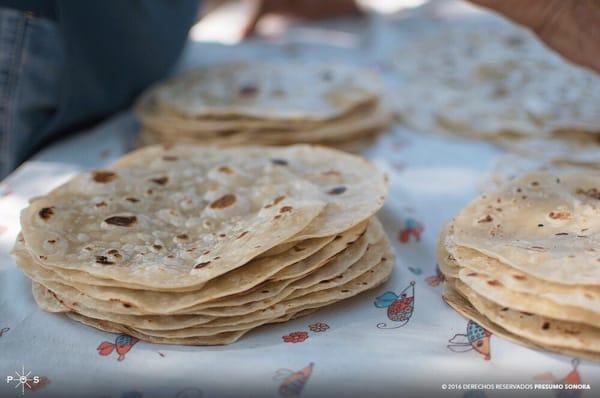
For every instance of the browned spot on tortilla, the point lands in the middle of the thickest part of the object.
(519, 277)
(279, 162)
(546, 325)
(487, 218)
(182, 236)
(277, 217)
(337, 190)
(242, 234)
(593, 193)
(205, 252)
(126, 305)
(248, 90)
(113, 251)
(299, 248)
(103, 176)
(223, 201)
(572, 331)
(121, 221)
(538, 248)
(43, 258)
(535, 183)
(201, 265)
(559, 215)
(157, 247)
(494, 283)
(168, 146)
(286, 209)
(101, 204)
(225, 170)
(168, 158)
(278, 200)
(562, 234)
(331, 173)
(132, 200)
(160, 180)
(222, 235)
(472, 274)
(46, 213)
(104, 260)
(52, 241)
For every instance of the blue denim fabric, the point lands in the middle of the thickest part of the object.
(31, 55)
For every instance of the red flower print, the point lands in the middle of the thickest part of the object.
(318, 327)
(295, 337)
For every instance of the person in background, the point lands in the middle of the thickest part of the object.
(67, 64)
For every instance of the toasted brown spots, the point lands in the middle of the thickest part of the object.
(223, 202)
(345, 291)
(46, 213)
(126, 305)
(132, 200)
(168, 158)
(222, 235)
(593, 193)
(535, 183)
(182, 236)
(337, 190)
(485, 219)
(278, 200)
(562, 234)
(225, 170)
(519, 277)
(157, 247)
(494, 282)
(299, 248)
(472, 274)
(160, 180)
(201, 265)
(113, 251)
(279, 162)
(248, 90)
(286, 209)
(572, 331)
(538, 248)
(121, 221)
(101, 204)
(277, 217)
(546, 325)
(43, 258)
(51, 241)
(331, 173)
(242, 234)
(559, 215)
(205, 252)
(104, 260)
(104, 176)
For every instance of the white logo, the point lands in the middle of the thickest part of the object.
(23, 380)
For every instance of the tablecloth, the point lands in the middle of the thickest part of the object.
(351, 349)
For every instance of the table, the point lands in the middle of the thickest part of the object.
(342, 348)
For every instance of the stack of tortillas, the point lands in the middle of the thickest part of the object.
(265, 104)
(199, 245)
(492, 80)
(524, 262)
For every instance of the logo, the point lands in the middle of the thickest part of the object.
(23, 380)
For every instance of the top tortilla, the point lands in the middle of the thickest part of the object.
(268, 91)
(541, 224)
(178, 217)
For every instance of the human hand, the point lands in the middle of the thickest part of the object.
(570, 27)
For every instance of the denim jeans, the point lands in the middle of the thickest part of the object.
(31, 58)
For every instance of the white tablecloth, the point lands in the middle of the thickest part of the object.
(431, 179)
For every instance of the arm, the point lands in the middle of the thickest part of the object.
(571, 27)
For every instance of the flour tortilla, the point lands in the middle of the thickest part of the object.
(543, 225)
(538, 329)
(492, 289)
(578, 296)
(492, 80)
(455, 300)
(77, 298)
(268, 91)
(310, 174)
(236, 281)
(445, 259)
(372, 279)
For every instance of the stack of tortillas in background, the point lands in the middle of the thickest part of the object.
(241, 103)
(524, 262)
(491, 79)
(199, 245)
